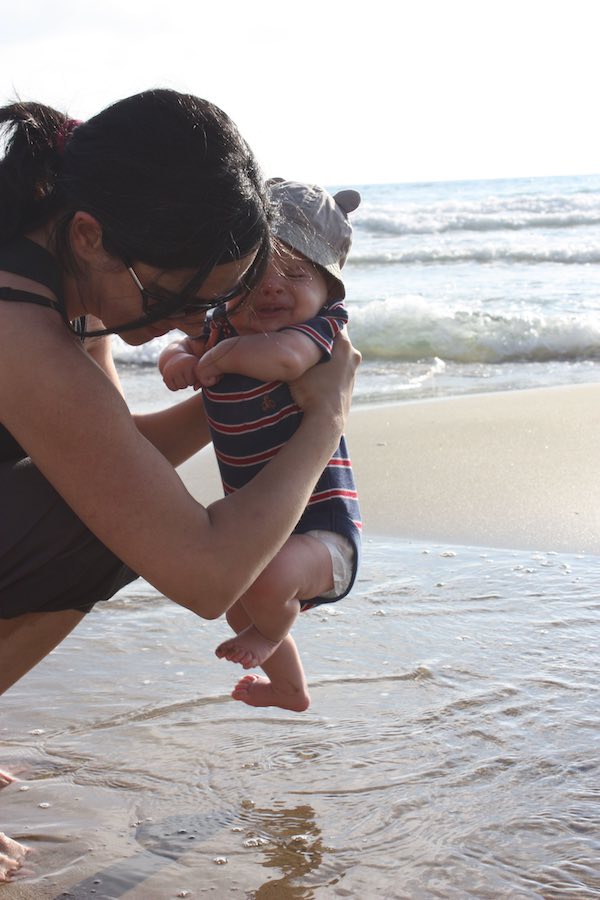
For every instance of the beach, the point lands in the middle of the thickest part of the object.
(510, 469)
(451, 746)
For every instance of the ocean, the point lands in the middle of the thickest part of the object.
(460, 287)
(451, 749)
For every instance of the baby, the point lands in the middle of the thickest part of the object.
(243, 361)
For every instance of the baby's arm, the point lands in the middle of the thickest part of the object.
(177, 363)
(275, 356)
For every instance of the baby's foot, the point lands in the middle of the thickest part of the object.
(12, 855)
(248, 648)
(256, 690)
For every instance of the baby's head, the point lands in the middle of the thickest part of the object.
(312, 239)
(315, 224)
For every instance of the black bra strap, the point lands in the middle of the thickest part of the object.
(17, 296)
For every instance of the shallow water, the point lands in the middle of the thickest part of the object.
(451, 749)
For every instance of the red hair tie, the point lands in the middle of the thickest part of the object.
(64, 133)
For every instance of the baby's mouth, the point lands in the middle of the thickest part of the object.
(270, 310)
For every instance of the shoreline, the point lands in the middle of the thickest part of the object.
(510, 469)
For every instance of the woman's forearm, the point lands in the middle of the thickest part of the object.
(215, 563)
(179, 431)
(255, 521)
(205, 559)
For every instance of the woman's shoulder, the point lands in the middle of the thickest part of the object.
(29, 275)
(24, 257)
(39, 352)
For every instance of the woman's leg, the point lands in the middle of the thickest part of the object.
(26, 640)
(12, 855)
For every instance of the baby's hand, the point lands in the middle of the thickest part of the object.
(179, 372)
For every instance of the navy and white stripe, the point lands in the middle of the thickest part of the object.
(250, 421)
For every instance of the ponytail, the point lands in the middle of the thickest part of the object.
(34, 138)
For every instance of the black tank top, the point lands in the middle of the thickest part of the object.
(27, 259)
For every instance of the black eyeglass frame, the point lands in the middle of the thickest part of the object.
(156, 307)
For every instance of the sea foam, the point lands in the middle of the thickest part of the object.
(487, 214)
(409, 328)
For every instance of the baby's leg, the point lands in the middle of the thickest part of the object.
(285, 685)
(302, 569)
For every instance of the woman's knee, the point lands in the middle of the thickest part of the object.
(26, 640)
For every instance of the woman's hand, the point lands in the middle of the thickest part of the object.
(327, 387)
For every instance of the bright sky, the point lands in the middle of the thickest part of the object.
(334, 91)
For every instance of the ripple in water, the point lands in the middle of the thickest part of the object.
(451, 749)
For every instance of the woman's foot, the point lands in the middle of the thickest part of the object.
(12, 855)
(249, 648)
(256, 690)
(6, 778)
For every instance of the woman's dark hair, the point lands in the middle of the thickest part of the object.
(167, 175)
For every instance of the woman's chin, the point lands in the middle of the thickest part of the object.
(147, 333)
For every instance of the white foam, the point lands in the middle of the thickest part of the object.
(410, 328)
(494, 213)
(442, 254)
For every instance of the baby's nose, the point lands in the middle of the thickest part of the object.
(272, 284)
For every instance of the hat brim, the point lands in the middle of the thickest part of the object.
(311, 245)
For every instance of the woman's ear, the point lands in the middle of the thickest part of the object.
(85, 235)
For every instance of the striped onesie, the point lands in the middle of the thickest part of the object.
(251, 420)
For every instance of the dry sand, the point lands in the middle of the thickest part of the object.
(517, 469)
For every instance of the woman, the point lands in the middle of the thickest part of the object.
(134, 223)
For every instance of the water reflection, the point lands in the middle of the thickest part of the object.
(292, 842)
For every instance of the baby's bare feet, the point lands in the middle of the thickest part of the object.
(249, 648)
(12, 855)
(256, 690)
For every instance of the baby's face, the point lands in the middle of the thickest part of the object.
(292, 290)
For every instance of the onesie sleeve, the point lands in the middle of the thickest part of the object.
(323, 328)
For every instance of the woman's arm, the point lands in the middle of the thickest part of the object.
(100, 350)
(274, 356)
(81, 435)
(179, 431)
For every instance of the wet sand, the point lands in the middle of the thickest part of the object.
(514, 470)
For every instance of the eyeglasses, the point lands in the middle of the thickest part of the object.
(156, 307)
